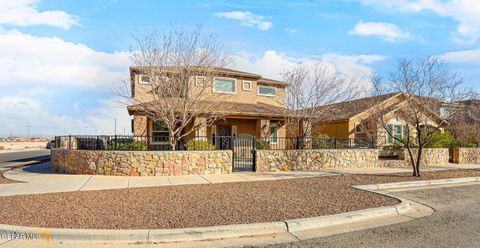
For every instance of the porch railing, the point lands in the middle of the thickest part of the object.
(162, 143)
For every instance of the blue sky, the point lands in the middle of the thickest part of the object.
(61, 60)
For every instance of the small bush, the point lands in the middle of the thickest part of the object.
(2, 147)
(263, 144)
(130, 146)
(200, 145)
(446, 140)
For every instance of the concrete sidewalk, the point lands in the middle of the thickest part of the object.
(39, 179)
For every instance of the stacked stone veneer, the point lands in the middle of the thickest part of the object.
(141, 163)
(466, 155)
(430, 157)
(313, 160)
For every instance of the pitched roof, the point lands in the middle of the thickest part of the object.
(349, 109)
(231, 108)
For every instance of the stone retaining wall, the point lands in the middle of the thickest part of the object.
(431, 156)
(141, 163)
(313, 160)
(466, 155)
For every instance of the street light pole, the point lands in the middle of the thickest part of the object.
(115, 128)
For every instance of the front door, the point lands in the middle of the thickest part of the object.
(224, 137)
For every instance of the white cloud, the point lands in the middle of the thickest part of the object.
(103, 118)
(30, 61)
(272, 63)
(385, 31)
(25, 13)
(465, 56)
(36, 72)
(18, 112)
(290, 30)
(465, 12)
(247, 19)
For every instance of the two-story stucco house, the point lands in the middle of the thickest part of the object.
(253, 106)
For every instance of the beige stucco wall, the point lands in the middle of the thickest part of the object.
(140, 127)
(333, 129)
(466, 155)
(242, 96)
(141, 163)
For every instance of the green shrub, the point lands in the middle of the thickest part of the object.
(446, 140)
(130, 146)
(263, 144)
(199, 145)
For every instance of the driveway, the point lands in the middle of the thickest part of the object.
(10, 158)
(455, 223)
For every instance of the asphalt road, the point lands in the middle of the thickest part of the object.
(455, 223)
(9, 158)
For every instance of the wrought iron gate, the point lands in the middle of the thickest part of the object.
(243, 148)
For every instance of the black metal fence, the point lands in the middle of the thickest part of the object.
(156, 143)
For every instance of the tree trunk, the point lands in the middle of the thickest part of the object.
(419, 159)
(414, 163)
(172, 140)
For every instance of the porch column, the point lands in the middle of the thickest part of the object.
(306, 128)
(263, 128)
(202, 131)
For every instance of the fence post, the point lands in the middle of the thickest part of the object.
(69, 142)
(115, 146)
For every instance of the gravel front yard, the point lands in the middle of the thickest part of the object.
(203, 205)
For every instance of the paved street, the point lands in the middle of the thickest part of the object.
(9, 158)
(454, 224)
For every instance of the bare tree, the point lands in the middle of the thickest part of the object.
(311, 89)
(465, 126)
(427, 87)
(180, 66)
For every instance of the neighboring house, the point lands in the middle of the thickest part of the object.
(252, 106)
(353, 119)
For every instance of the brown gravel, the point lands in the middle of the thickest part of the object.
(203, 205)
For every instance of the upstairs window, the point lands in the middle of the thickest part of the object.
(200, 81)
(224, 85)
(247, 85)
(144, 79)
(267, 91)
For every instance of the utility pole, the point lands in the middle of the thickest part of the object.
(28, 130)
(115, 127)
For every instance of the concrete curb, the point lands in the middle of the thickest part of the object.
(32, 162)
(386, 186)
(241, 230)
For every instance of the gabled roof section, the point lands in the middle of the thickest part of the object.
(346, 110)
